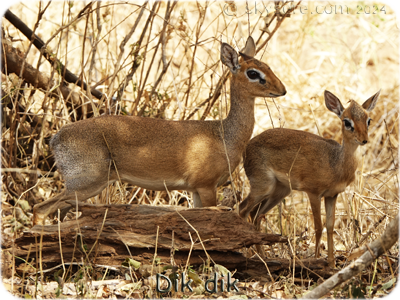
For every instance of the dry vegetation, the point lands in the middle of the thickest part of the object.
(169, 68)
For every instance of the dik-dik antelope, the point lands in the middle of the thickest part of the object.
(157, 154)
(318, 166)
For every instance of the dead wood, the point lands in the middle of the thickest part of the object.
(219, 228)
(12, 62)
(41, 46)
(371, 253)
(134, 227)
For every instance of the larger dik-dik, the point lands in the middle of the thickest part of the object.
(320, 167)
(158, 154)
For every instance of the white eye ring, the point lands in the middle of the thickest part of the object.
(261, 74)
(351, 127)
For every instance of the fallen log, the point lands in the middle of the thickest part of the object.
(144, 226)
(108, 234)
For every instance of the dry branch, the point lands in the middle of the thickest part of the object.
(12, 62)
(136, 57)
(40, 45)
(372, 252)
(134, 227)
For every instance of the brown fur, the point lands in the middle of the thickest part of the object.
(320, 167)
(157, 154)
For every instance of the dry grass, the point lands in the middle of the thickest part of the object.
(351, 55)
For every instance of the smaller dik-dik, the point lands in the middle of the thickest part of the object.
(320, 167)
(158, 154)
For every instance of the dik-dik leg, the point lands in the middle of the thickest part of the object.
(44, 209)
(260, 191)
(330, 204)
(315, 201)
(208, 197)
(279, 192)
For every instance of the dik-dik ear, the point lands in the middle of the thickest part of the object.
(250, 48)
(333, 103)
(229, 57)
(371, 102)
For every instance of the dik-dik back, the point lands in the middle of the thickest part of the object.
(279, 160)
(158, 154)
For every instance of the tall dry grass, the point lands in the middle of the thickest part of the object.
(169, 68)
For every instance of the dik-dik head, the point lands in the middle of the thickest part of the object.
(355, 119)
(250, 74)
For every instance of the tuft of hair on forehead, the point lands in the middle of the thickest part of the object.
(357, 111)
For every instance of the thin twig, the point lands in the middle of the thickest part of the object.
(41, 46)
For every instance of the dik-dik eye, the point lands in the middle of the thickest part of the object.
(253, 74)
(369, 122)
(256, 75)
(348, 124)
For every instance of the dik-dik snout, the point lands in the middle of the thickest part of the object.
(269, 84)
(158, 154)
(320, 167)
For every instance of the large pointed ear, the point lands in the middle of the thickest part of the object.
(371, 102)
(250, 48)
(333, 103)
(229, 57)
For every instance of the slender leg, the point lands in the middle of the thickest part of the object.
(42, 210)
(196, 200)
(315, 202)
(249, 204)
(279, 193)
(330, 204)
(262, 185)
(208, 197)
(46, 208)
(259, 193)
(255, 213)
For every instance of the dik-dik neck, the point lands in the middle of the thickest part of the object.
(238, 125)
(348, 159)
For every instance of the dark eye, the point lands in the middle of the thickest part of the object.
(348, 125)
(253, 74)
(369, 122)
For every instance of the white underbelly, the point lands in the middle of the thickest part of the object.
(157, 184)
